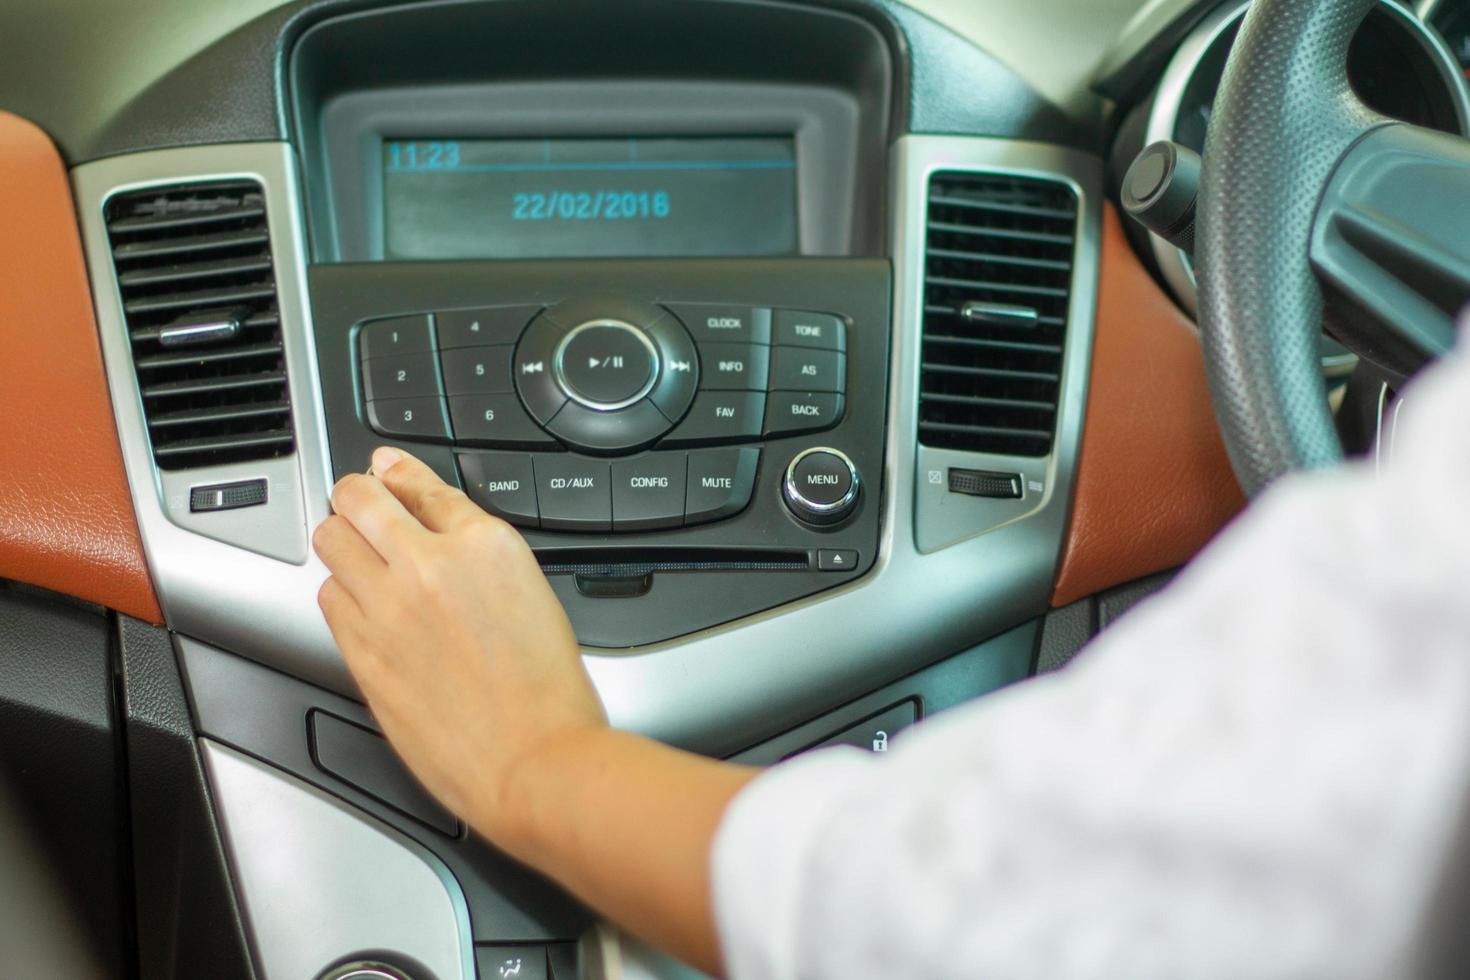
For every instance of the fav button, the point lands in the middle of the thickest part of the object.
(721, 416)
(721, 323)
(720, 483)
(648, 493)
(573, 493)
(734, 367)
(503, 484)
(796, 328)
(791, 412)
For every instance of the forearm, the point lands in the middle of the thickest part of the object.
(627, 825)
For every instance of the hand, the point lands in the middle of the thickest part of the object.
(454, 635)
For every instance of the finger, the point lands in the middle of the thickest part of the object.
(347, 555)
(341, 611)
(377, 515)
(437, 505)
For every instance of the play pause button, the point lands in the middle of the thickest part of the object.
(831, 560)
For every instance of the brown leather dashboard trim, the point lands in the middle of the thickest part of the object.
(66, 516)
(1154, 483)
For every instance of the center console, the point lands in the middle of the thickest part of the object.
(683, 442)
(786, 401)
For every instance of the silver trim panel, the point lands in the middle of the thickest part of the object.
(943, 518)
(257, 596)
(1163, 120)
(720, 689)
(321, 883)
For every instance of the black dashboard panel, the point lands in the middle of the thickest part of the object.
(542, 74)
(220, 78)
(623, 583)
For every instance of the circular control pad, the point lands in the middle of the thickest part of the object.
(606, 376)
(606, 364)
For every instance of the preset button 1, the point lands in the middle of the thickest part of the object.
(573, 493)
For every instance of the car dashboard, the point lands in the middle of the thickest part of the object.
(801, 341)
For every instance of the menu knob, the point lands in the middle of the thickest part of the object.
(822, 486)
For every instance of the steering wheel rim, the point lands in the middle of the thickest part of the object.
(1284, 118)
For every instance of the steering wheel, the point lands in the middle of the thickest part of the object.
(1314, 209)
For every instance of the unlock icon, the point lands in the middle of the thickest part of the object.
(880, 742)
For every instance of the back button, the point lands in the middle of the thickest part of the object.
(503, 484)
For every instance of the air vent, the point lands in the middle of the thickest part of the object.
(194, 268)
(998, 277)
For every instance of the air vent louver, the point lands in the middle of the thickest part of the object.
(998, 277)
(194, 268)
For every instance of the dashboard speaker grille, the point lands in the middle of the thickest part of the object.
(193, 264)
(998, 279)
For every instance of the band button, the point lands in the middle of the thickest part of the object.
(504, 484)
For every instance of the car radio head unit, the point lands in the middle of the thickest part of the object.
(569, 198)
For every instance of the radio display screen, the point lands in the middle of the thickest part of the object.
(586, 198)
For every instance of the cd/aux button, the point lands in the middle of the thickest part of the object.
(573, 493)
